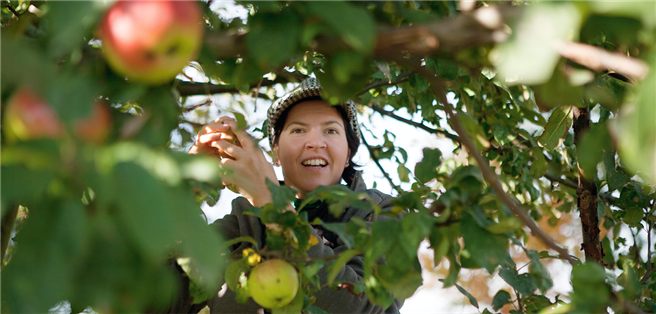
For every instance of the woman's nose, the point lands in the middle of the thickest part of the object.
(315, 140)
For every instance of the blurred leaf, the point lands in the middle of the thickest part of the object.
(558, 91)
(558, 125)
(635, 126)
(144, 210)
(529, 56)
(25, 184)
(353, 24)
(273, 37)
(340, 230)
(591, 148)
(426, 169)
(590, 292)
(71, 22)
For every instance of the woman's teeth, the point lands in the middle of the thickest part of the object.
(314, 162)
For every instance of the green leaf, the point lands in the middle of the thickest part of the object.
(501, 298)
(471, 298)
(590, 294)
(488, 250)
(591, 149)
(340, 230)
(523, 283)
(557, 126)
(311, 309)
(502, 135)
(25, 184)
(637, 130)
(616, 179)
(530, 56)
(403, 172)
(273, 37)
(540, 274)
(445, 68)
(282, 195)
(559, 91)
(426, 169)
(339, 263)
(539, 165)
(352, 23)
(147, 214)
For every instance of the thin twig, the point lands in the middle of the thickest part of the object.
(418, 125)
(437, 86)
(8, 6)
(375, 159)
(403, 77)
(194, 107)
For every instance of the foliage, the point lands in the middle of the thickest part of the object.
(98, 225)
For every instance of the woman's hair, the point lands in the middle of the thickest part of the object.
(352, 139)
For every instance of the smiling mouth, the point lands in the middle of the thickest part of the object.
(315, 163)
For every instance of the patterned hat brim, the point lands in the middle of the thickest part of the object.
(308, 88)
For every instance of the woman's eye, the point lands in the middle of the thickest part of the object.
(297, 130)
(332, 131)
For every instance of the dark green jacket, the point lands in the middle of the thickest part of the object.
(236, 224)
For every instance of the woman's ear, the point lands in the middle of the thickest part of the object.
(348, 157)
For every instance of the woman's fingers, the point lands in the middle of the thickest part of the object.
(229, 149)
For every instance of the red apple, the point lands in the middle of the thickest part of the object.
(151, 41)
(28, 116)
(95, 128)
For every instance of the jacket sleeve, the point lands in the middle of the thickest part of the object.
(342, 301)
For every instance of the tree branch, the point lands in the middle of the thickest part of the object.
(375, 159)
(196, 106)
(481, 27)
(191, 88)
(7, 5)
(599, 59)
(418, 125)
(437, 86)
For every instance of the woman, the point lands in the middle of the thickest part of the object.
(314, 143)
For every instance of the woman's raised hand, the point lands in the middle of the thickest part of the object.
(246, 166)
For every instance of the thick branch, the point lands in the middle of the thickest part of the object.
(587, 195)
(481, 27)
(190, 88)
(599, 59)
(437, 86)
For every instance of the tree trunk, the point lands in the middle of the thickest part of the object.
(587, 195)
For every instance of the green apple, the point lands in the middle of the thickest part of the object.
(28, 116)
(151, 41)
(273, 284)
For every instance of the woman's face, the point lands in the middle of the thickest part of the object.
(312, 147)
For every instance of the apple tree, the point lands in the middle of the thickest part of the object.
(549, 107)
